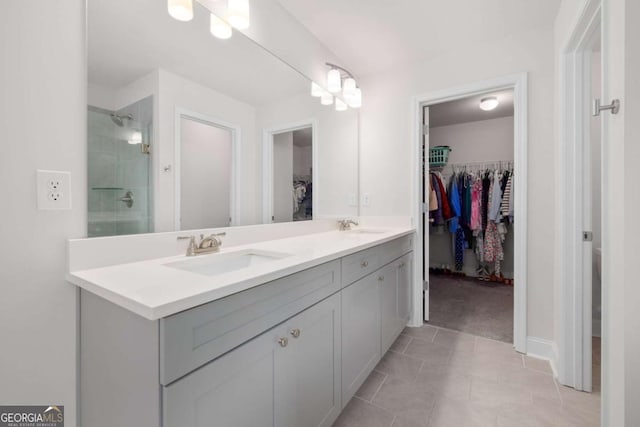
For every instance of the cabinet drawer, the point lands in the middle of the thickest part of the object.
(194, 337)
(360, 264)
(395, 249)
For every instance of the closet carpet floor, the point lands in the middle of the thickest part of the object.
(473, 306)
(436, 377)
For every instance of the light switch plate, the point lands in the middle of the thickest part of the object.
(366, 199)
(353, 200)
(53, 189)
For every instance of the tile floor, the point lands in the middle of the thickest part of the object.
(437, 377)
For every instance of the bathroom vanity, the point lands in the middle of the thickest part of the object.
(279, 333)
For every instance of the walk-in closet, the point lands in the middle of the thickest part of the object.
(469, 209)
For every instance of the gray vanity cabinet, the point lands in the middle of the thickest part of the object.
(360, 333)
(286, 377)
(395, 299)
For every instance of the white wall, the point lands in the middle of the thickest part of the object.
(42, 126)
(177, 92)
(386, 136)
(205, 175)
(481, 141)
(283, 177)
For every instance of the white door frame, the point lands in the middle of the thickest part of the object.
(574, 342)
(267, 164)
(236, 134)
(517, 82)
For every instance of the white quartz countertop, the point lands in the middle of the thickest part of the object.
(154, 290)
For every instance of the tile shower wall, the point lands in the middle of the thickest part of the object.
(116, 167)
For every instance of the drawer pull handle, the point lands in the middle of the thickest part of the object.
(381, 278)
(364, 264)
(283, 341)
(295, 333)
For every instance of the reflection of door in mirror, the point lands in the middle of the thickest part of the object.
(292, 175)
(118, 169)
(206, 157)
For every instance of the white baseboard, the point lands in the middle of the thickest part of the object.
(541, 348)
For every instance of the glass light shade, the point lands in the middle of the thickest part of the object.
(182, 10)
(340, 105)
(239, 16)
(326, 99)
(488, 104)
(316, 90)
(334, 81)
(219, 28)
(356, 100)
(349, 88)
(136, 138)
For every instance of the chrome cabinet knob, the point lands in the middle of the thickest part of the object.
(364, 264)
(283, 341)
(295, 333)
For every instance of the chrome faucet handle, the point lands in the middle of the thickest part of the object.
(345, 224)
(191, 249)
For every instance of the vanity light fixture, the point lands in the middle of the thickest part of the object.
(334, 80)
(341, 105)
(326, 99)
(316, 90)
(219, 28)
(182, 10)
(489, 103)
(136, 138)
(349, 88)
(239, 14)
(356, 100)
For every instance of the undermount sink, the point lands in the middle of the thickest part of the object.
(366, 231)
(211, 265)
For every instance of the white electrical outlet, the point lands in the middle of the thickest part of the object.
(366, 199)
(353, 200)
(54, 190)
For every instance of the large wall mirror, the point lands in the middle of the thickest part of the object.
(188, 131)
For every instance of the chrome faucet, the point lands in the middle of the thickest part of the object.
(345, 224)
(207, 244)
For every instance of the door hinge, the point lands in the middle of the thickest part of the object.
(425, 129)
(146, 149)
(425, 285)
(587, 236)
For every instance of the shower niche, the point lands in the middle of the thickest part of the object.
(118, 169)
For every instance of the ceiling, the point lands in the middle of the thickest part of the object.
(129, 39)
(468, 109)
(376, 35)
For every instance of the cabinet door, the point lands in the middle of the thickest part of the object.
(307, 369)
(360, 333)
(387, 278)
(404, 269)
(235, 390)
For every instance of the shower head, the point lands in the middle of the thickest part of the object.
(119, 119)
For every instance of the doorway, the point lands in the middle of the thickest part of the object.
(205, 172)
(289, 173)
(469, 148)
(518, 84)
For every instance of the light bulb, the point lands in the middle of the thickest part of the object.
(316, 90)
(219, 28)
(489, 103)
(182, 10)
(356, 100)
(136, 138)
(326, 99)
(334, 81)
(349, 88)
(239, 14)
(340, 105)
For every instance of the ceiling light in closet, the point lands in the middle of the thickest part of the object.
(239, 14)
(316, 90)
(489, 103)
(219, 28)
(182, 10)
(341, 105)
(326, 99)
